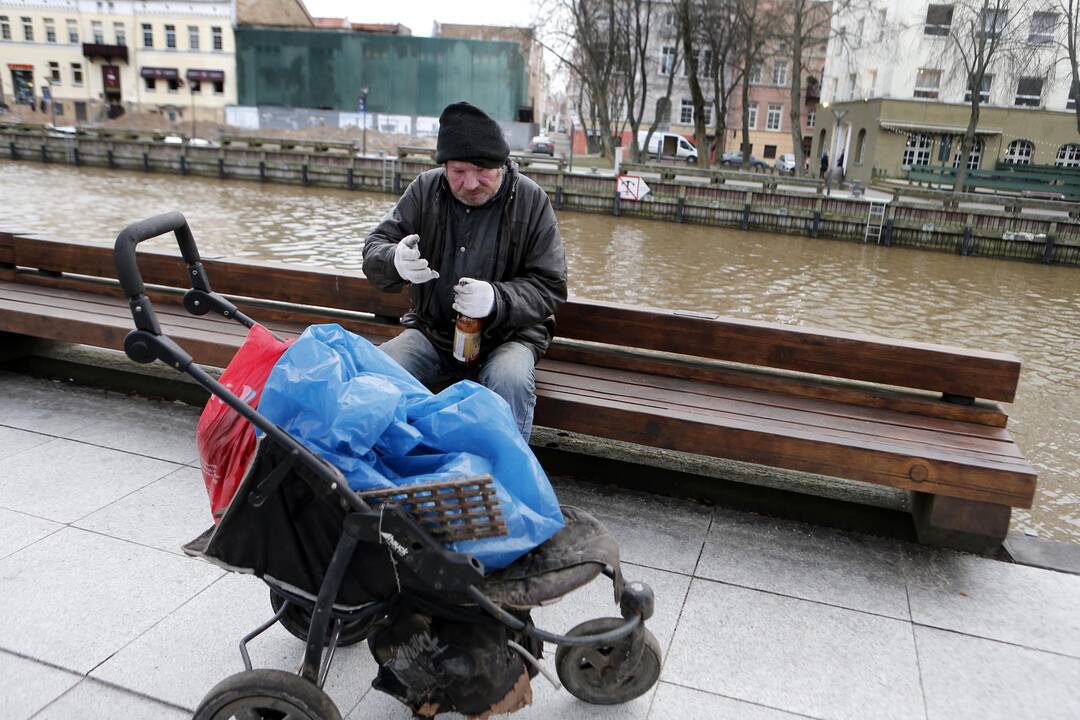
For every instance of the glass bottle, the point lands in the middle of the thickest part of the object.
(467, 339)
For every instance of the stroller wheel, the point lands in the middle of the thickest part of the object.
(607, 675)
(297, 620)
(266, 694)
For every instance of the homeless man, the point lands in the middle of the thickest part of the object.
(473, 237)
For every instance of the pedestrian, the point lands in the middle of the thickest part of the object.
(824, 164)
(840, 166)
(475, 238)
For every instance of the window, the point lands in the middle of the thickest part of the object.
(667, 60)
(706, 62)
(871, 81)
(852, 83)
(58, 108)
(686, 65)
(193, 37)
(1029, 91)
(170, 37)
(1020, 152)
(927, 83)
(708, 113)
(938, 19)
(174, 84)
(54, 72)
(73, 32)
(669, 19)
(917, 150)
(76, 74)
(755, 74)
(769, 151)
(973, 158)
(772, 119)
(1042, 27)
(5, 28)
(811, 118)
(992, 21)
(859, 30)
(147, 37)
(219, 87)
(27, 29)
(50, 30)
(860, 146)
(779, 73)
(215, 33)
(151, 84)
(686, 112)
(120, 33)
(751, 119)
(1068, 156)
(882, 20)
(98, 33)
(984, 89)
(195, 86)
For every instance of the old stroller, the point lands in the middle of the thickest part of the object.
(344, 567)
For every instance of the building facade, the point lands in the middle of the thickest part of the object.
(532, 54)
(895, 96)
(82, 60)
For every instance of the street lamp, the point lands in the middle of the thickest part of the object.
(361, 107)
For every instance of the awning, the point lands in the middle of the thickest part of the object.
(19, 66)
(931, 128)
(160, 73)
(206, 75)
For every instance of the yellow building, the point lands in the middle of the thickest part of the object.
(97, 59)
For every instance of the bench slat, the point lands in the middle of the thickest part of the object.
(850, 356)
(974, 373)
(752, 443)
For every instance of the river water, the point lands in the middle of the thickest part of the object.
(1030, 310)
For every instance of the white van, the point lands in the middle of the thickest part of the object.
(668, 146)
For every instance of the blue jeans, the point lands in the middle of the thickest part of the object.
(508, 371)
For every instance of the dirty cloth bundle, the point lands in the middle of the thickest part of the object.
(352, 405)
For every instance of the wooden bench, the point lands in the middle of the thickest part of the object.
(906, 415)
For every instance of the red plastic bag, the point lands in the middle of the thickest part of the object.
(226, 440)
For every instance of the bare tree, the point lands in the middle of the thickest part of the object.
(688, 18)
(985, 38)
(585, 36)
(1069, 46)
(720, 40)
(634, 22)
(806, 33)
(662, 111)
(754, 23)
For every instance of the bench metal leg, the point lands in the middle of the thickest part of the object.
(968, 525)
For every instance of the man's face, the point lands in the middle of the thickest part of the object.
(472, 185)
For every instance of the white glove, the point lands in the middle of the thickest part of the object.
(474, 298)
(407, 261)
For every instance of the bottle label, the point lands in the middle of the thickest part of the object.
(466, 346)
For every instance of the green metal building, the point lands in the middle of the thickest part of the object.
(404, 75)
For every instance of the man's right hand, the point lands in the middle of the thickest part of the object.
(407, 261)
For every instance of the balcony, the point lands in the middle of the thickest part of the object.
(107, 53)
(813, 93)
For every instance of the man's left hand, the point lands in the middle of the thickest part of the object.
(474, 298)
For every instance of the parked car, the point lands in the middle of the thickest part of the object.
(668, 146)
(542, 145)
(735, 158)
(785, 163)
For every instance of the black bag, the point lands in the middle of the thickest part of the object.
(435, 663)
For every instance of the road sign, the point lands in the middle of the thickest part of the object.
(631, 187)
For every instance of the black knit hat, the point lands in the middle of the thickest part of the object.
(467, 133)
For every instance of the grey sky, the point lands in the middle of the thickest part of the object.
(419, 15)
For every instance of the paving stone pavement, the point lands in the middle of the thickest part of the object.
(101, 616)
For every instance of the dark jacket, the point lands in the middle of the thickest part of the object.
(530, 267)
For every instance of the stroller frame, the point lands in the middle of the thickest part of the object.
(432, 568)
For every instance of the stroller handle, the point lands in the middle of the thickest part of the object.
(127, 268)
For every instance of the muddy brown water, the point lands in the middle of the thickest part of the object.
(1028, 309)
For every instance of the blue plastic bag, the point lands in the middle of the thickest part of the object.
(349, 403)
